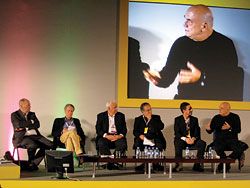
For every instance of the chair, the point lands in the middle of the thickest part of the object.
(16, 150)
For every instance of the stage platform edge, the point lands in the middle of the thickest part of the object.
(9, 171)
(124, 184)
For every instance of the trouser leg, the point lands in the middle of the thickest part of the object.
(220, 147)
(103, 146)
(75, 139)
(179, 146)
(65, 138)
(121, 145)
(43, 144)
(31, 147)
(201, 146)
(158, 144)
(138, 143)
(236, 149)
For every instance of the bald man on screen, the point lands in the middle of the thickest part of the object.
(202, 59)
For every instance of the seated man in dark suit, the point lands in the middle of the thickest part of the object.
(226, 126)
(26, 134)
(147, 131)
(111, 131)
(187, 134)
(67, 131)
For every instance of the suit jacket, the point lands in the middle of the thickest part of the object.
(155, 125)
(102, 124)
(20, 122)
(180, 129)
(58, 128)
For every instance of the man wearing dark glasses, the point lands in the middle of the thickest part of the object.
(187, 134)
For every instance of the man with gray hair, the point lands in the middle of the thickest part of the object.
(199, 59)
(111, 131)
(26, 134)
(67, 132)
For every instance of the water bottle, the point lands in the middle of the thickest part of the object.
(157, 153)
(117, 154)
(210, 153)
(187, 153)
(137, 153)
(146, 152)
(161, 155)
(151, 152)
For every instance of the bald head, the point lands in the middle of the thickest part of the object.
(203, 13)
(199, 22)
(224, 109)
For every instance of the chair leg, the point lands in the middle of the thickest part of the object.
(98, 164)
(124, 155)
(15, 150)
(13, 153)
(18, 156)
(241, 161)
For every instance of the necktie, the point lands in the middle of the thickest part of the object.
(25, 115)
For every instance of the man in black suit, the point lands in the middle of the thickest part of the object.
(187, 134)
(111, 131)
(147, 131)
(26, 134)
(67, 131)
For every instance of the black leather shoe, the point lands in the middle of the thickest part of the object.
(177, 168)
(112, 166)
(228, 167)
(81, 161)
(104, 166)
(198, 168)
(241, 160)
(220, 168)
(140, 168)
(115, 167)
(33, 167)
(158, 167)
(80, 154)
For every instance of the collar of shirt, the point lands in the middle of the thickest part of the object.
(25, 115)
(112, 127)
(146, 120)
(68, 123)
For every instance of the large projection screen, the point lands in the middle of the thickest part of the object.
(147, 31)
